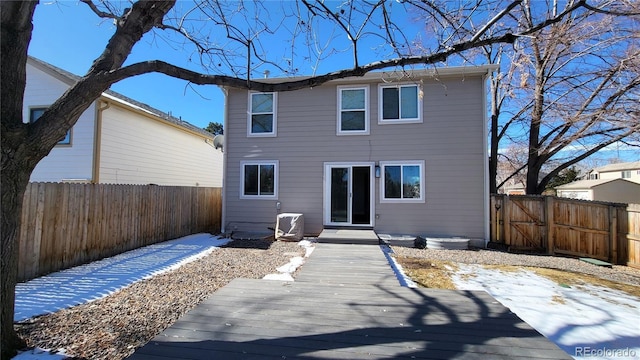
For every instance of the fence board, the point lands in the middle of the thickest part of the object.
(630, 223)
(65, 225)
(606, 231)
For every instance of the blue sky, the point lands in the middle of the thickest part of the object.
(69, 35)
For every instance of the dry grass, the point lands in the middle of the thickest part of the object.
(577, 279)
(437, 275)
(428, 273)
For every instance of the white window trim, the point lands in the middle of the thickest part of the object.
(274, 133)
(276, 170)
(339, 130)
(382, 121)
(419, 163)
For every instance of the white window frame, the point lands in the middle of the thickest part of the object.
(419, 93)
(339, 130)
(419, 163)
(276, 170)
(626, 174)
(274, 113)
(66, 141)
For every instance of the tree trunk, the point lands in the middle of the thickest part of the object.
(493, 156)
(16, 164)
(14, 183)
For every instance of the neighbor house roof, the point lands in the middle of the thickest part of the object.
(71, 79)
(619, 167)
(588, 184)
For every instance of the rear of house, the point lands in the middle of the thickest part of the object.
(399, 153)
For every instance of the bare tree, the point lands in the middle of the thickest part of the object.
(232, 59)
(577, 86)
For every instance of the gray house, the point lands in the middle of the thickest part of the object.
(399, 153)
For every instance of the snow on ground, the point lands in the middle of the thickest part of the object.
(38, 354)
(96, 280)
(585, 321)
(397, 268)
(81, 284)
(285, 272)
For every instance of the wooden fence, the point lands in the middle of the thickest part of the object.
(64, 225)
(600, 230)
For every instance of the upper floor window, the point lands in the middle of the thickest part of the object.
(353, 113)
(402, 181)
(626, 174)
(259, 180)
(593, 176)
(400, 103)
(262, 114)
(35, 113)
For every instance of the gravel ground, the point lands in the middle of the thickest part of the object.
(114, 326)
(623, 274)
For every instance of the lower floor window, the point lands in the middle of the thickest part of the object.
(259, 179)
(402, 181)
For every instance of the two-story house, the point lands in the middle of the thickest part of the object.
(397, 152)
(613, 183)
(626, 170)
(118, 140)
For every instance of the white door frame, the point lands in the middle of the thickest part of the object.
(327, 192)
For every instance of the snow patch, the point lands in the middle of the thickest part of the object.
(93, 281)
(584, 321)
(285, 271)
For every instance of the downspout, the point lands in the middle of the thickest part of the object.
(225, 123)
(487, 199)
(97, 136)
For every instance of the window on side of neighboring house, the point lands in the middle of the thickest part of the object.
(259, 180)
(36, 112)
(399, 104)
(626, 174)
(402, 181)
(353, 113)
(262, 114)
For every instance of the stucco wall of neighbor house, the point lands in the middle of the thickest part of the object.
(449, 141)
(138, 149)
(618, 191)
(64, 162)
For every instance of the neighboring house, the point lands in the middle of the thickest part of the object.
(399, 153)
(627, 170)
(611, 190)
(118, 140)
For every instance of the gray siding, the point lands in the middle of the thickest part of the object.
(450, 141)
(620, 191)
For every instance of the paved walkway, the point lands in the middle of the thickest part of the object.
(347, 304)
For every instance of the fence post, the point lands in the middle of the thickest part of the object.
(506, 219)
(549, 200)
(613, 234)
